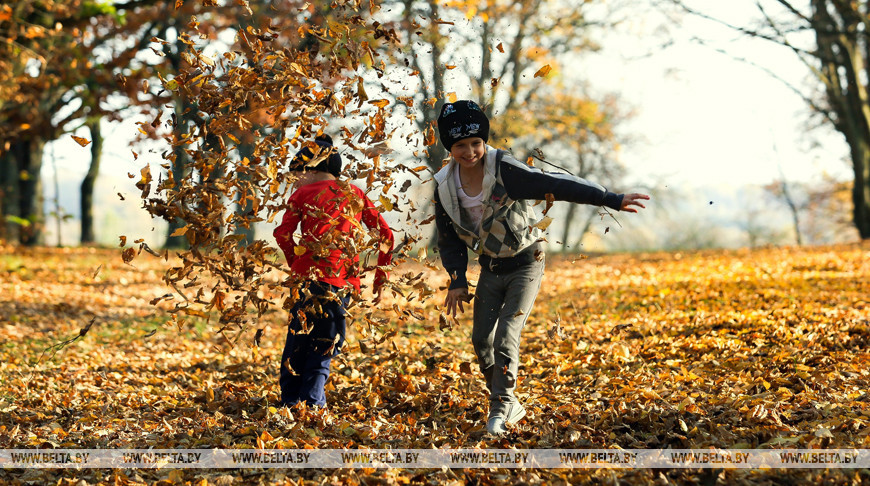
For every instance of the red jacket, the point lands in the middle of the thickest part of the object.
(330, 213)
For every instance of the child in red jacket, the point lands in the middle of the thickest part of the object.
(325, 262)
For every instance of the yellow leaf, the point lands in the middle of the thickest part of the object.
(299, 250)
(360, 90)
(451, 97)
(81, 140)
(621, 351)
(380, 103)
(146, 175)
(429, 137)
(386, 203)
(543, 72)
(194, 312)
(206, 59)
(543, 223)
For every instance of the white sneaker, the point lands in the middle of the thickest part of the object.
(496, 423)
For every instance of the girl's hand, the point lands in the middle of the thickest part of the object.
(455, 298)
(632, 199)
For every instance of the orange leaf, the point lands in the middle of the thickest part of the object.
(128, 255)
(429, 137)
(543, 72)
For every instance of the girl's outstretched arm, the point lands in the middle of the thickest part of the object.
(632, 199)
(524, 182)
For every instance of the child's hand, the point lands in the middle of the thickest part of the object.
(380, 281)
(455, 298)
(632, 200)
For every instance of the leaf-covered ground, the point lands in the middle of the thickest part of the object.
(766, 348)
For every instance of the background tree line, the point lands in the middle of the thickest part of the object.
(93, 60)
(65, 65)
(829, 38)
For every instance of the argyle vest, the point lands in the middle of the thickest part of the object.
(506, 227)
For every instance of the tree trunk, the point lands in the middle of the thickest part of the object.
(87, 190)
(9, 230)
(569, 223)
(179, 164)
(843, 69)
(861, 187)
(244, 206)
(178, 170)
(180, 161)
(22, 190)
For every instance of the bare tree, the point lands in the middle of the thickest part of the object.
(837, 59)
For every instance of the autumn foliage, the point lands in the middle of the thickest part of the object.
(761, 349)
(137, 348)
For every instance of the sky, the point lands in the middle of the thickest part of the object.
(706, 117)
(705, 124)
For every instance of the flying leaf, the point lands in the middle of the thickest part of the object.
(81, 140)
(544, 223)
(429, 137)
(386, 203)
(543, 72)
(128, 255)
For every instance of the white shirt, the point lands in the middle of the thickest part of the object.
(472, 205)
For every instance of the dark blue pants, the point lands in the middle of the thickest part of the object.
(309, 353)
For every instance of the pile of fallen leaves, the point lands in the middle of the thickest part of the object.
(760, 348)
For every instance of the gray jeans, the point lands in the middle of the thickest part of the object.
(502, 304)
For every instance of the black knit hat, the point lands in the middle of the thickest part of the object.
(462, 119)
(332, 163)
